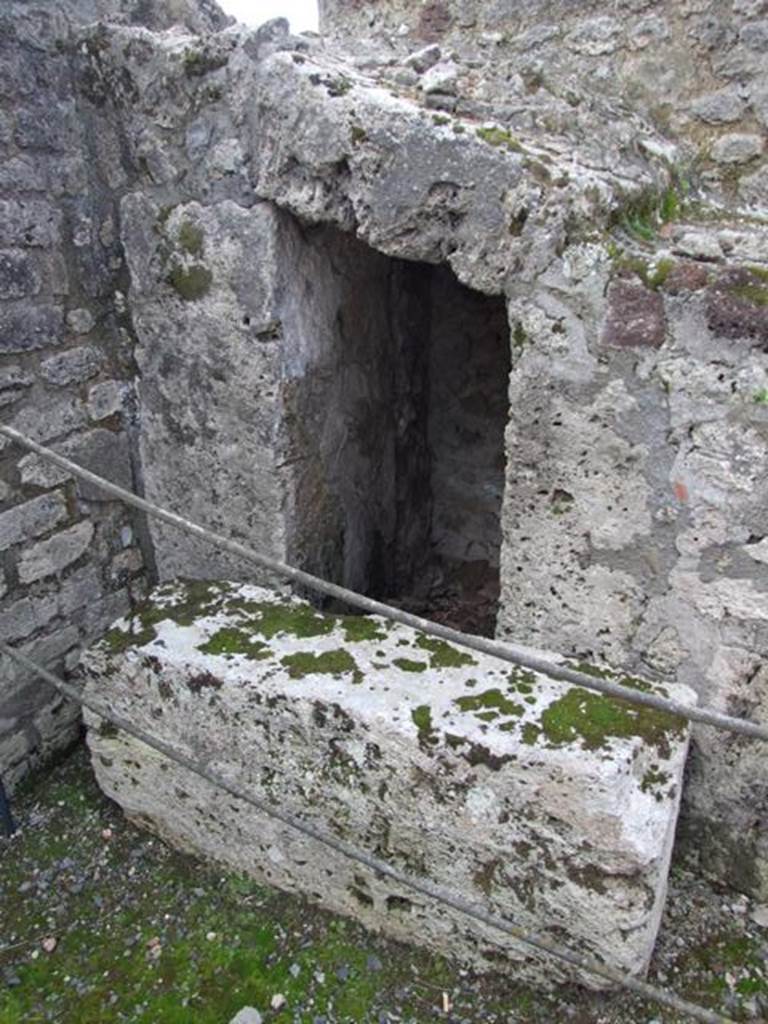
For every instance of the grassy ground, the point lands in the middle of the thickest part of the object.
(101, 923)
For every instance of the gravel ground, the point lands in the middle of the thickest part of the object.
(100, 922)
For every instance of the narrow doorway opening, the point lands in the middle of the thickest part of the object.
(396, 401)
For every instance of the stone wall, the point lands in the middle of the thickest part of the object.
(69, 561)
(640, 536)
(528, 157)
(694, 69)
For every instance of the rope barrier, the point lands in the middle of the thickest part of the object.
(502, 650)
(382, 868)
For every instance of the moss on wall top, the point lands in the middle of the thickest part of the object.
(456, 700)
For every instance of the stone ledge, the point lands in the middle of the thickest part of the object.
(552, 805)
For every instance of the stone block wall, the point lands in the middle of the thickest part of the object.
(69, 560)
(694, 69)
(635, 518)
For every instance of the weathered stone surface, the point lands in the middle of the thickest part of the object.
(635, 316)
(25, 616)
(737, 148)
(438, 760)
(13, 377)
(51, 556)
(31, 518)
(440, 78)
(425, 58)
(105, 399)
(221, 299)
(62, 416)
(719, 107)
(101, 451)
(77, 364)
(24, 328)
(29, 223)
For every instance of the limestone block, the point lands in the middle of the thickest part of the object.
(23, 327)
(77, 364)
(441, 78)
(32, 518)
(422, 60)
(62, 415)
(80, 321)
(737, 148)
(105, 399)
(101, 451)
(719, 107)
(25, 616)
(30, 223)
(52, 555)
(553, 806)
(216, 288)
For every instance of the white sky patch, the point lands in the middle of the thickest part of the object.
(302, 14)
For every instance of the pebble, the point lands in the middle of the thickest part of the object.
(374, 964)
(278, 1001)
(248, 1015)
(294, 970)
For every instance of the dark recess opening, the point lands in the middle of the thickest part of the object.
(396, 402)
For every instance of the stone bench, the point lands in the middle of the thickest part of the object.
(551, 805)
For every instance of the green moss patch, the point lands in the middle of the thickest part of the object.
(361, 627)
(489, 705)
(595, 720)
(652, 273)
(333, 663)
(191, 283)
(422, 719)
(531, 734)
(752, 292)
(655, 781)
(118, 640)
(182, 603)
(229, 641)
(270, 620)
(191, 238)
(442, 654)
(521, 681)
(631, 682)
(499, 138)
(406, 665)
